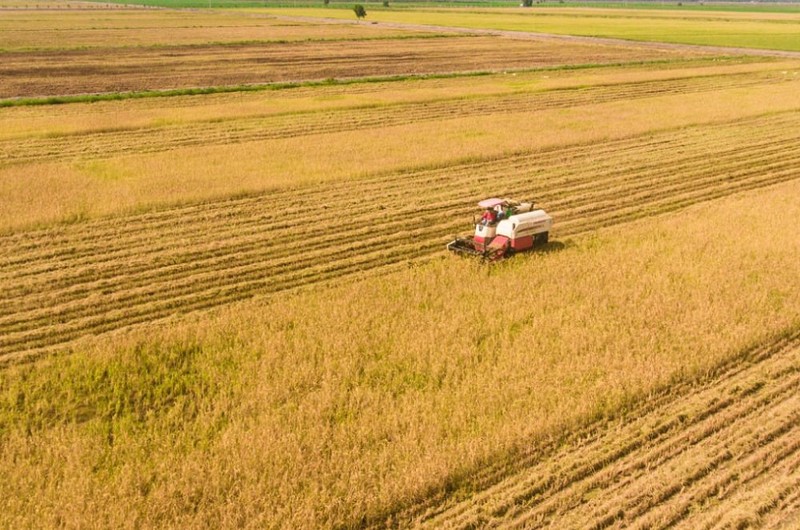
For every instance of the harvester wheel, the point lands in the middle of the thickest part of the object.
(543, 238)
(495, 255)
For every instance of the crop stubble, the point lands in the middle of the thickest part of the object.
(66, 282)
(89, 278)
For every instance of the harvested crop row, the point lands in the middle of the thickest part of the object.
(81, 72)
(697, 447)
(92, 265)
(237, 228)
(253, 215)
(107, 144)
(231, 253)
(53, 249)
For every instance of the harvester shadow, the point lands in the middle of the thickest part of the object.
(550, 247)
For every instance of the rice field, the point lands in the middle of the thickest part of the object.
(134, 155)
(760, 30)
(722, 451)
(108, 274)
(234, 308)
(285, 412)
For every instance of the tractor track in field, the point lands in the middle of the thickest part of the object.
(722, 451)
(63, 283)
(107, 144)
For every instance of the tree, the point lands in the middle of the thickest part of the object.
(359, 10)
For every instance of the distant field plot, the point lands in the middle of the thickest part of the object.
(98, 70)
(71, 29)
(750, 30)
(61, 5)
(54, 121)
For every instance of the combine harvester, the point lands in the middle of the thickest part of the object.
(505, 228)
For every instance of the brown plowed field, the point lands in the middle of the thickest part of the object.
(108, 144)
(63, 283)
(723, 453)
(119, 70)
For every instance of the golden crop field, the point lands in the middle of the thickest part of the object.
(345, 403)
(680, 446)
(80, 161)
(234, 308)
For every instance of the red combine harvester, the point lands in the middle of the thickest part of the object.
(506, 227)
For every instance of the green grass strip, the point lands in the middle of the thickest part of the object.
(263, 87)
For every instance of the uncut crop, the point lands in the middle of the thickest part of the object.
(289, 413)
(721, 451)
(235, 309)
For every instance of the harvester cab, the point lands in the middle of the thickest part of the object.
(505, 227)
